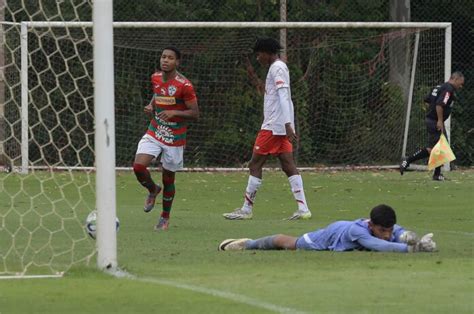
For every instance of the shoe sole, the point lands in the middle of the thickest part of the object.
(300, 217)
(224, 243)
(240, 244)
(231, 216)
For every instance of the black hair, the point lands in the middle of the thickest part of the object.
(268, 45)
(176, 51)
(457, 74)
(383, 215)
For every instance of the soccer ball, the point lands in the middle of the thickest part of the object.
(91, 224)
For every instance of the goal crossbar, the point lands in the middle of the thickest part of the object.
(251, 24)
(211, 25)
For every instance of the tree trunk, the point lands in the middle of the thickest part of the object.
(400, 49)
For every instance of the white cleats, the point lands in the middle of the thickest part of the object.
(238, 214)
(233, 244)
(300, 214)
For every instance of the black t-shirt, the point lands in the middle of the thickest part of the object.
(442, 95)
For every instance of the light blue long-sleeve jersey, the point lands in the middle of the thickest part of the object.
(348, 236)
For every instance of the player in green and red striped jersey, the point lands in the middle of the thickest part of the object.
(174, 103)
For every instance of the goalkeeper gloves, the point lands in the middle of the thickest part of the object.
(408, 237)
(426, 244)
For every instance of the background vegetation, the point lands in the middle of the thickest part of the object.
(224, 103)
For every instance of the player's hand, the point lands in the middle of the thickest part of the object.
(148, 109)
(440, 126)
(408, 237)
(290, 133)
(426, 244)
(166, 114)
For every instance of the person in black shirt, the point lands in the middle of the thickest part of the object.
(440, 101)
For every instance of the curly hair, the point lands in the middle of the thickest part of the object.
(175, 50)
(268, 45)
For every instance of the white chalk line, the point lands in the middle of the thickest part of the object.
(216, 293)
(464, 233)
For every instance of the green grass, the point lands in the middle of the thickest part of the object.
(181, 271)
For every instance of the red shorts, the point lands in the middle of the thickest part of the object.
(269, 144)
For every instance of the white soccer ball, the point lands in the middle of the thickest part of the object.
(91, 224)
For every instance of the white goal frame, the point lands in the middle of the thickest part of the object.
(276, 25)
(107, 251)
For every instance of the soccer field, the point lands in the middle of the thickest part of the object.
(181, 271)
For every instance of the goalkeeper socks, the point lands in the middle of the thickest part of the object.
(420, 154)
(265, 243)
(296, 183)
(144, 177)
(168, 194)
(437, 171)
(250, 193)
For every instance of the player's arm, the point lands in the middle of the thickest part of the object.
(148, 109)
(190, 114)
(439, 114)
(284, 97)
(441, 102)
(376, 244)
(365, 239)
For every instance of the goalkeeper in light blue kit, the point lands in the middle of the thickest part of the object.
(379, 233)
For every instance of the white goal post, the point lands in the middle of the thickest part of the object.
(41, 44)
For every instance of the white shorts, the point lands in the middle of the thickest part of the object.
(171, 156)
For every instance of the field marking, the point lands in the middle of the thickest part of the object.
(216, 293)
(464, 233)
(31, 277)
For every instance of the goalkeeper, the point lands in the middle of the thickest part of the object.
(379, 233)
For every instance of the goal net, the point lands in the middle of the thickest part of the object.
(357, 93)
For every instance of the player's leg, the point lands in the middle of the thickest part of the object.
(146, 152)
(422, 153)
(274, 242)
(261, 150)
(253, 184)
(168, 197)
(172, 161)
(288, 166)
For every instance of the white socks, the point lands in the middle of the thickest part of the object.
(250, 193)
(296, 183)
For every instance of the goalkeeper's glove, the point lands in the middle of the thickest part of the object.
(408, 237)
(426, 244)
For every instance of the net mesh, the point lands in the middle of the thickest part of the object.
(350, 90)
(349, 86)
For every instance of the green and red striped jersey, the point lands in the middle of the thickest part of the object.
(170, 95)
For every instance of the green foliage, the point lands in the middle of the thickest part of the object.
(240, 98)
